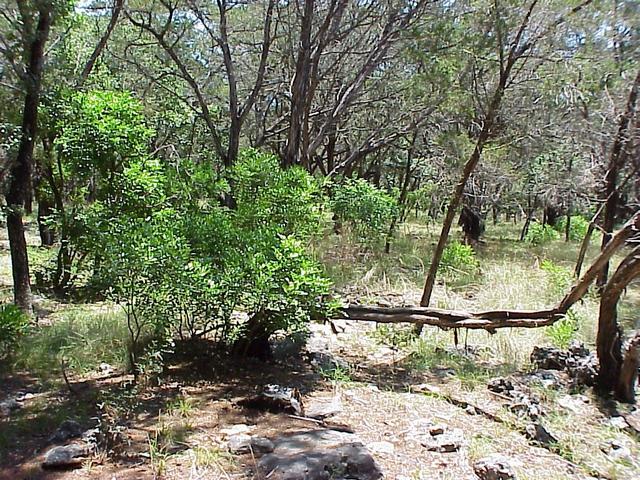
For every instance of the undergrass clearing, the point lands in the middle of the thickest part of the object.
(81, 337)
(512, 274)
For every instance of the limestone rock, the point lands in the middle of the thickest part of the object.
(320, 409)
(537, 431)
(319, 455)
(8, 406)
(449, 441)
(67, 430)
(494, 467)
(243, 443)
(65, 456)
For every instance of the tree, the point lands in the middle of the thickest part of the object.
(36, 19)
(511, 49)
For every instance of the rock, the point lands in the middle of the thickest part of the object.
(471, 410)
(275, 398)
(319, 455)
(237, 429)
(450, 441)
(8, 406)
(570, 403)
(549, 358)
(546, 378)
(618, 422)
(501, 385)
(243, 443)
(617, 450)
(320, 408)
(67, 430)
(65, 456)
(382, 447)
(494, 467)
(326, 361)
(105, 369)
(438, 429)
(537, 432)
(577, 361)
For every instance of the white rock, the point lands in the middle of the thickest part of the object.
(237, 429)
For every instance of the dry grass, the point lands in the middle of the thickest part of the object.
(511, 277)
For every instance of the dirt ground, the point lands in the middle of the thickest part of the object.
(379, 403)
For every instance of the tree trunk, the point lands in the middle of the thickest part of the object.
(625, 390)
(45, 211)
(609, 339)
(299, 88)
(616, 163)
(20, 170)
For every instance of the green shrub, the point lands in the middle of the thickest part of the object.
(562, 332)
(459, 258)
(539, 234)
(13, 324)
(369, 210)
(577, 229)
(559, 277)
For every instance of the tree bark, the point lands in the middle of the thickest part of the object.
(616, 163)
(21, 168)
(625, 390)
(609, 339)
(102, 43)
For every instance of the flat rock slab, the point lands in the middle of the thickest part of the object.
(67, 456)
(319, 455)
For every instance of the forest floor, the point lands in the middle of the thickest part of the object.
(388, 385)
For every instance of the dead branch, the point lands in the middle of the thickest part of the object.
(492, 320)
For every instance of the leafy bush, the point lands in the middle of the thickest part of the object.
(286, 201)
(539, 234)
(459, 258)
(13, 324)
(559, 277)
(577, 229)
(367, 208)
(564, 331)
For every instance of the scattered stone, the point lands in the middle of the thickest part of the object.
(570, 403)
(449, 441)
(426, 388)
(617, 450)
(275, 398)
(319, 455)
(67, 430)
(65, 457)
(577, 361)
(237, 429)
(501, 385)
(8, 406)
(320, 409)
(438, 429)
(537, 431)
(243, 443)
(105, 369)
(325, 361)
(494, 467)
(549, 358)
(383, 447)
(618, 422)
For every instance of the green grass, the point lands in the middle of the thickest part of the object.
(84, 338)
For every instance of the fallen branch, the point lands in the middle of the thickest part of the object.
(492, 320)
